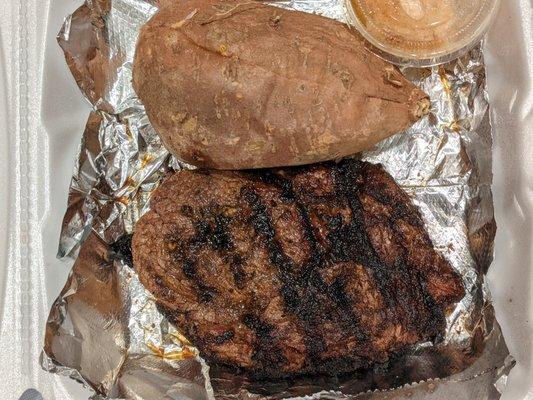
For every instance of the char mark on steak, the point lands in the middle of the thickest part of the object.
(316, 269)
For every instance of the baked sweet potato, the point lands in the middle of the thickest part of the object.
(235, 85)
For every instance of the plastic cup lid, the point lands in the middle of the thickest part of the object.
(422, 32)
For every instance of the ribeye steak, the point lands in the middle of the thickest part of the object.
(318, 269)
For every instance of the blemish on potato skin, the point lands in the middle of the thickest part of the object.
(274, 21)
(178, 24)
(179, 117)
(393, 77)
(269, 128)
(255, 145)
(305, 51)
(232, 141)
(190, 124)
(223, 50)
(196, 156)
(346, 79)
(231, 70)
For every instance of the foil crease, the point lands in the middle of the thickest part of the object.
(105, 329)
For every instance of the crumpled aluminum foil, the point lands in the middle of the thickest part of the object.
(105, 330)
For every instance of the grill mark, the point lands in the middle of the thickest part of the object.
(378, 195)
(219, 239)
(400, 209)
(237, 270)
(421, 320)
(224, 244)
(291, 298)
(336, 291)
(315, 343)
(268, 352)
(351, 242)
(204, 235)
(205, 292)
(354, 243)
(365, 255)
(262, 329)
(435, 319)
(262, 224)
(291, 287)
(224, 337)
(310, 281)
(316, 257)
(275, 179)
(201, 237)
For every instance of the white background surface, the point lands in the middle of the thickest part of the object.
(42, 115)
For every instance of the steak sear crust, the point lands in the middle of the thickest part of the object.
(318, 269)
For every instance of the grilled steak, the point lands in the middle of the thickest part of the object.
(318, 269)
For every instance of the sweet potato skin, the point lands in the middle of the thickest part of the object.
(237, 85)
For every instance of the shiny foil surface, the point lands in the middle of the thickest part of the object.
(105, 329)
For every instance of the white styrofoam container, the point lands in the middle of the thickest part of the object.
(42, 116)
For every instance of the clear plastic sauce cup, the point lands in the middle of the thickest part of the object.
(422, 32)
